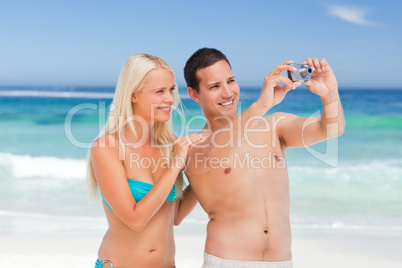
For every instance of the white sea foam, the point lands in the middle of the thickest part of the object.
(50, 216)
(56, 94)
(373, 172)
(26, 166)
(352, 196)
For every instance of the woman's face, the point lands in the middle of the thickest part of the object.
(155, 100)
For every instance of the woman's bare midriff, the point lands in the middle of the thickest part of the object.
(152, 247)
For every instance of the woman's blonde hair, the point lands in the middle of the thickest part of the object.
(131, 80)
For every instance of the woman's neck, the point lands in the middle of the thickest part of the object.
(143, 132)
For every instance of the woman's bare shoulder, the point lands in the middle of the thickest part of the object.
(106, 144)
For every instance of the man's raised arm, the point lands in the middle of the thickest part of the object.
(298, 131)
(272, 93)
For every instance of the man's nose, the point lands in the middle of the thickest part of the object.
(226, 91)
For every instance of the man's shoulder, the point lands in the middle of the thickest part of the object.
(196, 157)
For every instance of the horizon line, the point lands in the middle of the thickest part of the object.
(61, 87)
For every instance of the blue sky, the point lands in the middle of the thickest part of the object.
(85, 43)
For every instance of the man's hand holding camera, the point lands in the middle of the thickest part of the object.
(318, 78)
(273, 92)
(323, 81)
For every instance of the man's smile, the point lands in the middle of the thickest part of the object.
(227, 104)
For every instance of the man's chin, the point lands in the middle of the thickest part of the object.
(227, 112)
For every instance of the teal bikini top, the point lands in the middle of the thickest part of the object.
(139, 189)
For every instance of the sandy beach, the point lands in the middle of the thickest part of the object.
(311, 248)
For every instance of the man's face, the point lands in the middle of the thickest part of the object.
(219, 91)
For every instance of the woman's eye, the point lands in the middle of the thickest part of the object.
(172, 89)
(159, 91)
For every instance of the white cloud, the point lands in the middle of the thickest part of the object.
(351, 14)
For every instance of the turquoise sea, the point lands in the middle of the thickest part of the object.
(353, 182)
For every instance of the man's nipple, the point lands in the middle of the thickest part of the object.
(227, 170)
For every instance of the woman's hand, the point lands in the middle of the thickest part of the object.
(180, 150)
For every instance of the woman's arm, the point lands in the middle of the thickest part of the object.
(185, 205)
(112, 181)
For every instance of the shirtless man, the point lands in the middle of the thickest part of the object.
(239, 172)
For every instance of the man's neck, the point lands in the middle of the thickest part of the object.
(218, 122)
(237, 126)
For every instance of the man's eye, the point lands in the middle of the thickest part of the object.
(159, 91)
(214, 86)
(172, 89)
(231, 80)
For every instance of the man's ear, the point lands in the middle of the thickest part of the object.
(133, 98)
(193, 94)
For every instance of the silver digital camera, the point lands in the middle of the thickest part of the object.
(302, 73)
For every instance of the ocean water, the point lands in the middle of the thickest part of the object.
(352, 182)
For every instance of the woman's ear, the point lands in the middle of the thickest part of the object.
(133, 98)
(193, 94)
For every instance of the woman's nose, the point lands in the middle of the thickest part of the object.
(169, 97)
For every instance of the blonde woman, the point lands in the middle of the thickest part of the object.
(136, 165)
